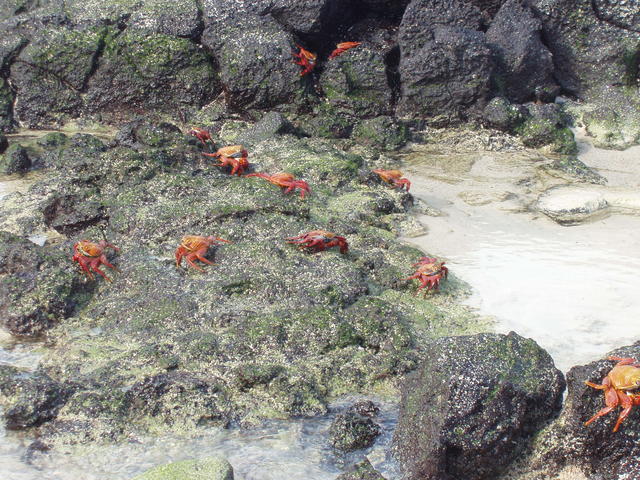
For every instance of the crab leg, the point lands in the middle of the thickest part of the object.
(189, 259)
(94, 267)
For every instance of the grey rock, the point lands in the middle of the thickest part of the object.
(270, 125)
(524, 64)
(594, 448)
(570, 205)
(180, 18)
(351, 431)
(445, 75)
(381, 132)
(38, 287)
(14, 160)
(587, 51)
(623, 14)
(472, 406)
(503, 115)
(361, 471)
(254, 57)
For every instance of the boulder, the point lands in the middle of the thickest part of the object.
(356, 82)
(4, 143)
(361, 471)
(503, 115)
(208, 468)
(594, 449)
(254, 56)
(612, 117)
(473, 405)
(352, 431)
(589, 51)
(445, 62)
(29, 400)
(139, 73)
(270, 125)
(381, 132)
(14, 160)
(38, 286)
(570, 205)
(524, 65)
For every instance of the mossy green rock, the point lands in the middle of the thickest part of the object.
(361, 471)
(215, 468)
(612, 118)
(14, 160)
(541, 132)
(6, 107)
(381, 132)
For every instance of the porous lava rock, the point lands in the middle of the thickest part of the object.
(473, 404)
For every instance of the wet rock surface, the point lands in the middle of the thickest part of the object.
(594, 449)
(473, 404)
(354, 429)
(14, 160)
(361, 471)
(269, 331)
(213, 468)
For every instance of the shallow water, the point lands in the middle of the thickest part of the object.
(572, 289)
(278, 450)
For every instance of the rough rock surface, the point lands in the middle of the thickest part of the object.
(594, 449)
(213, 468)
(269, 331)
(473, 404)
(14, 160)
(445, 61)
(570, 205)
(38, 288)
(352, 431)
(361, 471)
(524, 65)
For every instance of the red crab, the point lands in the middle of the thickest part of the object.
(429, 273)
(305, 59)
(90, 256)
(234, 156)
(286, 181)
(201, 134)
(319, 240)
(393, 177)
(343, 47)
(625, 375)
(194, 247)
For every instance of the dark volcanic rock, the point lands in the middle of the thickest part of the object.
(253, 54)
(524, 64)
(501, 114)
(352, 431)
(445, 63)
(381, 132)
(361, 471)
(29, 400)
(6, 107)
(588, 51)
(38, 286)
(546, 126)
(270, 125)
(594, 448)
(471, 407)
(14, 160)
(50, 73)
(139, 72)
(4, 143)
(356, 82)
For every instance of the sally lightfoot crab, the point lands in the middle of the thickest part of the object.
(394, 178)
(343, 47)
(429, 274)
(201, 134)
(319, 240)
(285, 180)
(624, 376)
(234, 156)
(90, 256)
(305, 59)
(194, 247)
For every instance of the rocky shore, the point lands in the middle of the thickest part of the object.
(271, 331)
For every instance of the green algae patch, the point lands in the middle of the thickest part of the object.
(213, 468)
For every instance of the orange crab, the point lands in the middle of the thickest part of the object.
(429, 274)
(305, 59)
(319, 240)
(394, 178)
(234, 156)
(343, 47)
(624, 376)
(201, 134)
(286, 181)
(90, 256)
(194, 247)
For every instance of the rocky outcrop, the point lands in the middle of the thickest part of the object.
(14, 160)
(594, 449)
(470, 408)
(354, 429)
(524, 65)
(361, 471)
